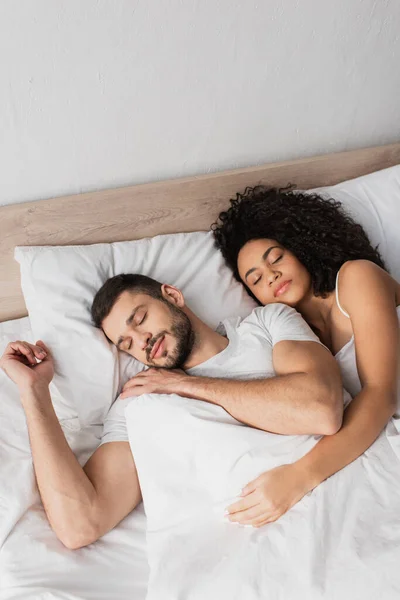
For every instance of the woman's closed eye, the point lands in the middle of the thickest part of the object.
(275, 257)
(256, 280)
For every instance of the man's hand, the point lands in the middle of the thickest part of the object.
(28, 365)
(269, 496)
(155, 381)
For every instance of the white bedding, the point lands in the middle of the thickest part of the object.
(34, 565)
(340, 542)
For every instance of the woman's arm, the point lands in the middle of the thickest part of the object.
(367, 293)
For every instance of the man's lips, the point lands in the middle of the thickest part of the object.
(282, 288)
(157, 348)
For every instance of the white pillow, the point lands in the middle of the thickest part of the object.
(59, 284)
(374, 202)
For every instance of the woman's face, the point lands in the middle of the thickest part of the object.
(272, 273)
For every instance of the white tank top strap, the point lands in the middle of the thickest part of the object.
(337, 298)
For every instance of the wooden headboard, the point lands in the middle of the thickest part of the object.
(190, 204)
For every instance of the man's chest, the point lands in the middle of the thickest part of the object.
(250, 358)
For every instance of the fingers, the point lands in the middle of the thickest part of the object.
(126, 394)
(135, 385)
(30, 351)
(252, 509)
(249, 516)
(250, 487)
(257, 516)
(263, 521)
(243, 504)
(130, 384)
(134, 381)
(43, 346)
(268, 518)
(132, 391)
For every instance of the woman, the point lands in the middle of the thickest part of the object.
(305, 251)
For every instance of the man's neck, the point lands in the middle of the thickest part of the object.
(208, 343)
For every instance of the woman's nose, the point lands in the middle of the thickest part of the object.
(272, 277)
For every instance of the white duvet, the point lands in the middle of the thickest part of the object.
(340, 542)
(34, 565)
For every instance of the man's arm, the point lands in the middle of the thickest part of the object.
(305, 397)
(81, 504)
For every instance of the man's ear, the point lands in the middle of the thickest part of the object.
(173, 295)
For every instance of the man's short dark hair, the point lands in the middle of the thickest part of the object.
(109, 293)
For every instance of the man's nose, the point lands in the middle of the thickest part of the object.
(142, 339)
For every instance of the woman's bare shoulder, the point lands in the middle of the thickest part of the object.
(359, 279)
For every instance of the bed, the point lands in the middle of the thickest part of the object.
(33, 563)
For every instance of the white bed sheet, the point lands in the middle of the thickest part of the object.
(34, 565)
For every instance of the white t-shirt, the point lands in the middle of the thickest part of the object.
(247, 356)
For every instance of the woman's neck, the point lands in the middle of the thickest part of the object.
(317, 311)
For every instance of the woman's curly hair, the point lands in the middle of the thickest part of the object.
(316, 230)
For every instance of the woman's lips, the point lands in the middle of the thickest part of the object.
(282, 288)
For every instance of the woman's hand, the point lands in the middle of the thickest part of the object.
(269, 496)
(28, 365)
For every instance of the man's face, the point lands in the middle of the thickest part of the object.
(155, 332)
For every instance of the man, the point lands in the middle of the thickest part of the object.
(292, 386)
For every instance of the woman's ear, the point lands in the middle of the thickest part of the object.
(173, 295)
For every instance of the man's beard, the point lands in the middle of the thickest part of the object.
(182, 331)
